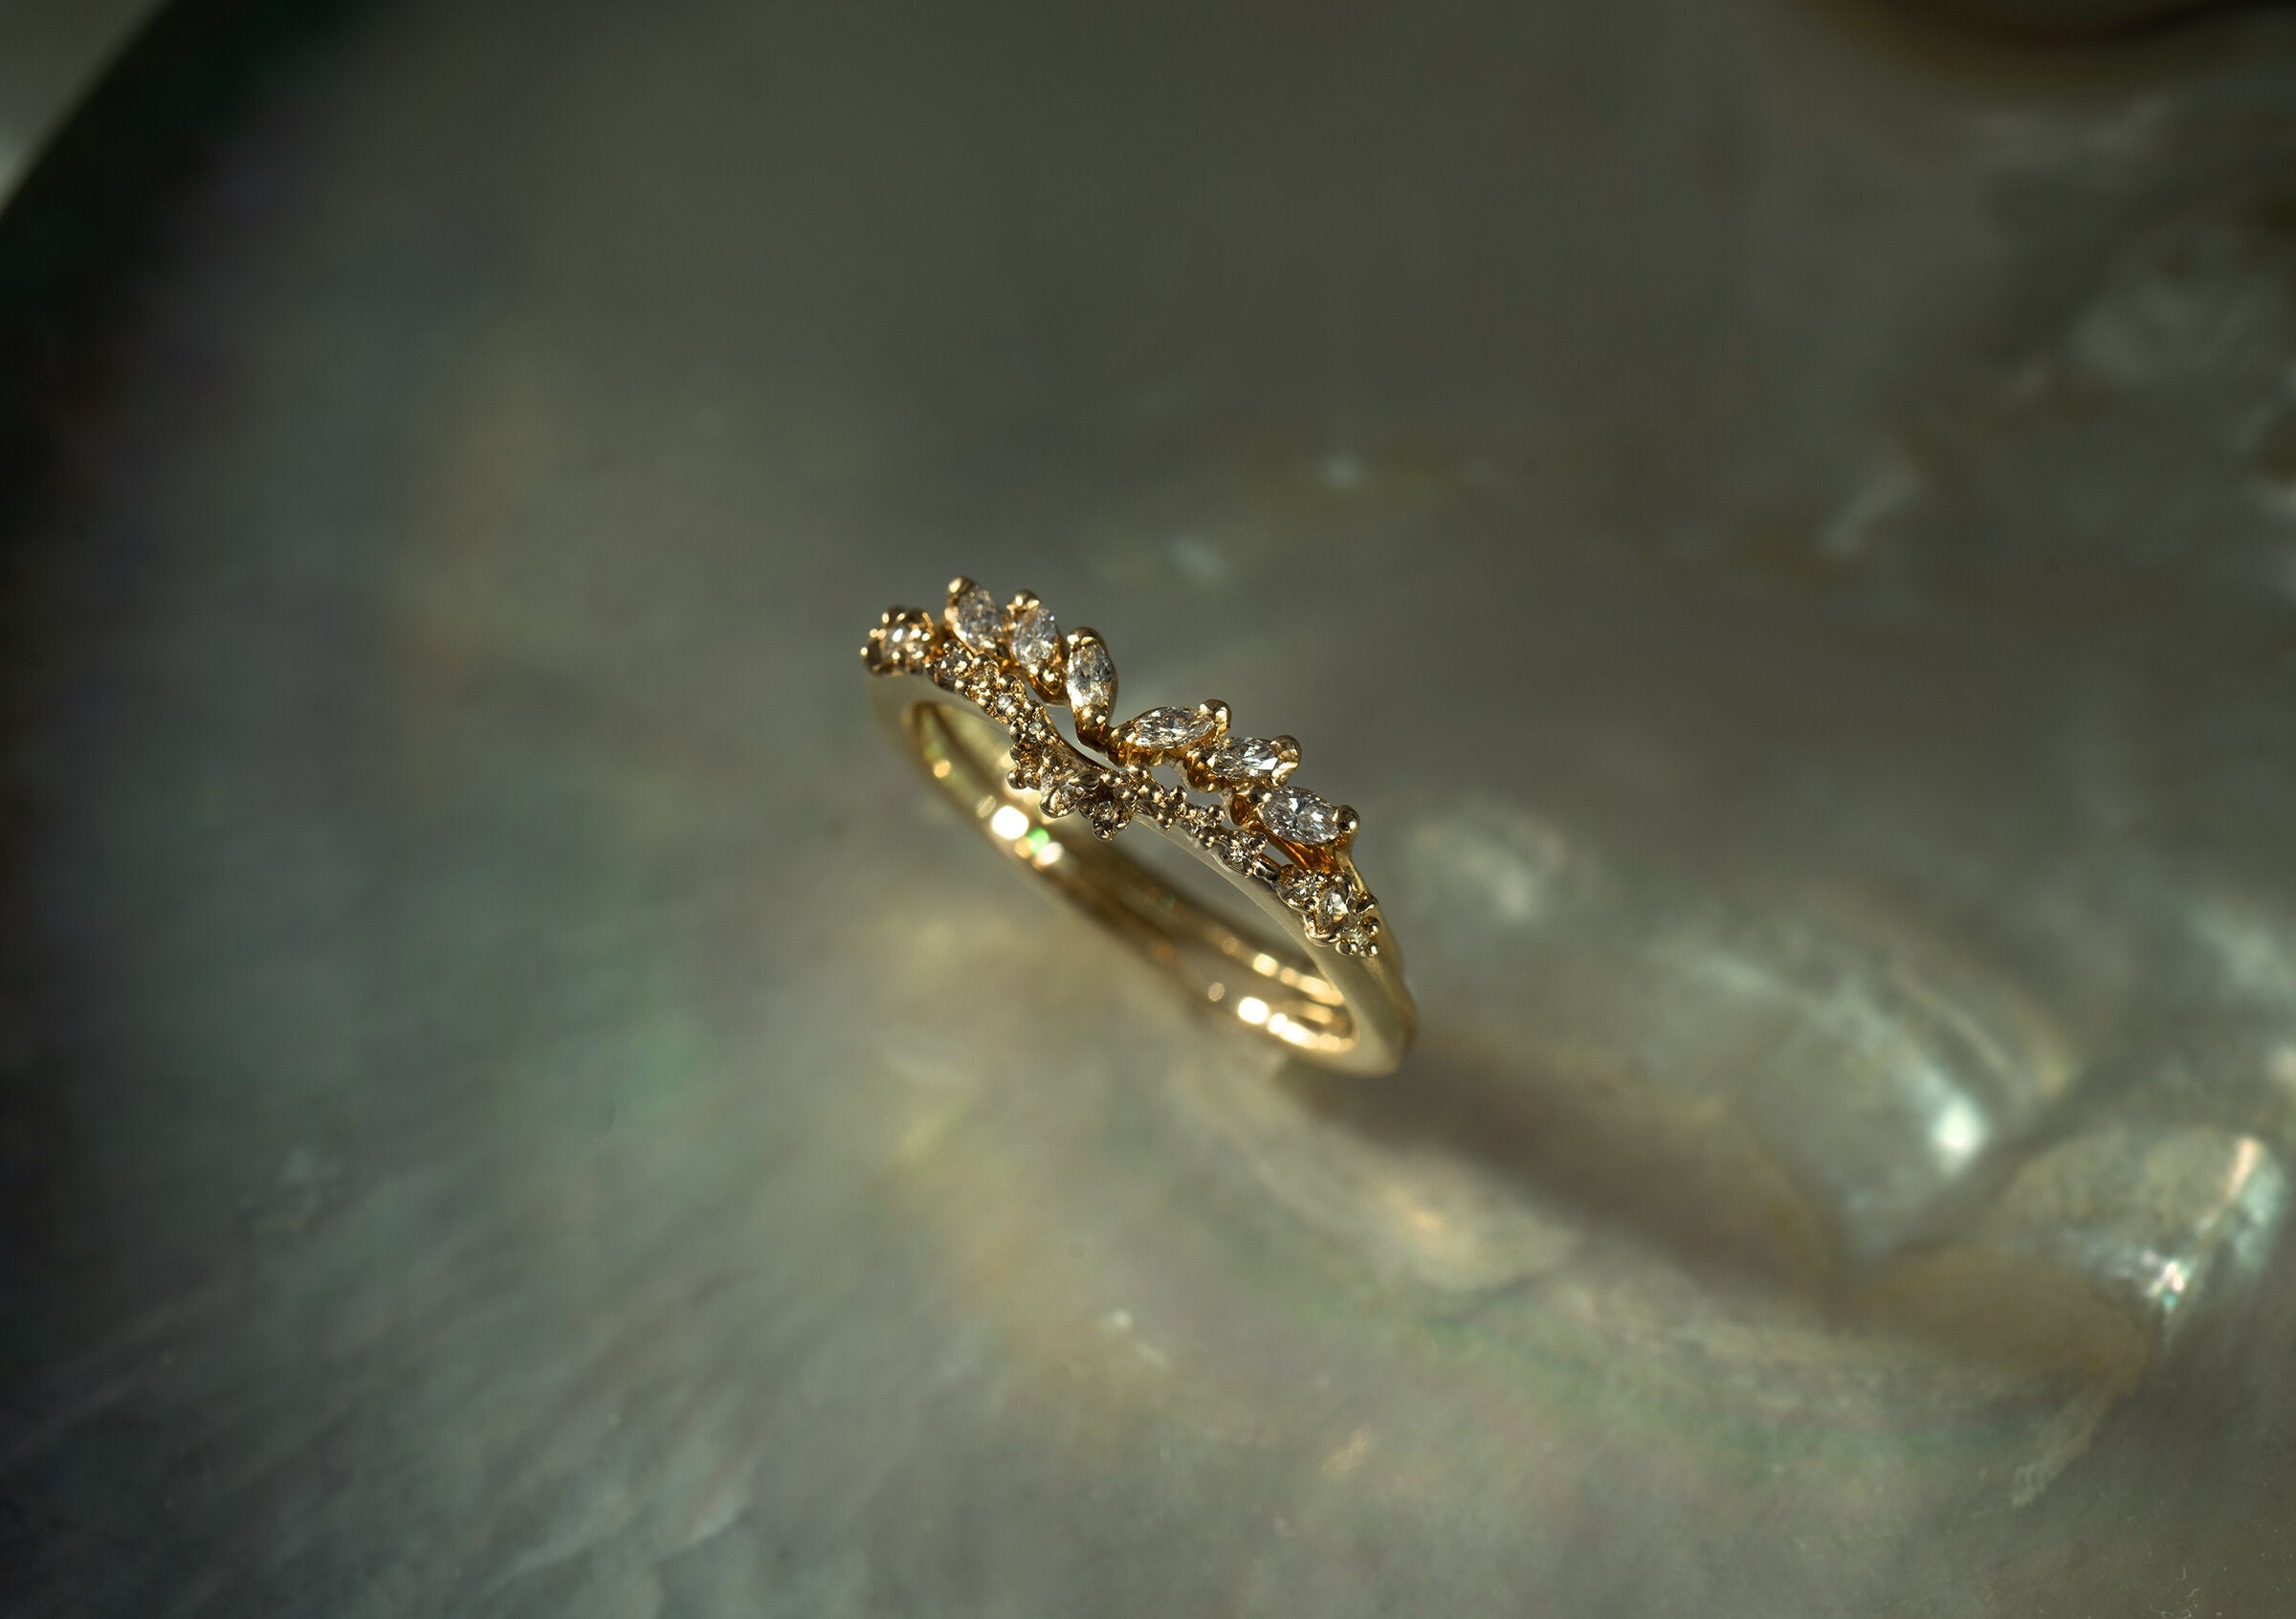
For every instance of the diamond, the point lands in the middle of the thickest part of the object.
(1243, 759)
(1159, 730)
(1092, 676)
(902, 640)
(1059, 791)
(977, 618)
(1297, 816)
(1035, 636)
(1107, 817)
(1298, 886)
(1332, 907)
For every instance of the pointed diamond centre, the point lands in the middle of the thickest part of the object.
(1297, 816)
(1091, 676)
(1160, 729)
(1243, 759)
(1035, 634)
(977, 618)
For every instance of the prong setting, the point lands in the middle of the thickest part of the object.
(1090, 681)
(973, 616)
(1036, 645)
(900, 643)
(1226, 761)
(1164, 733)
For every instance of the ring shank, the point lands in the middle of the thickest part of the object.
(1348, 1012)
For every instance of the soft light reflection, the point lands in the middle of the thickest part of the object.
(2227, 1216)
(2169, 1282)
(2251, 946)
(1252, 1009)
(1897, 1037)
(2245, 1159)
(1348, 1456)
(1494, 863)
(1957, 1131)
(1009, 823)
(2256, 1192)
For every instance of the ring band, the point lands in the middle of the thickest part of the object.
(1314, 967)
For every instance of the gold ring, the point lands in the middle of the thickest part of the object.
(968, 695)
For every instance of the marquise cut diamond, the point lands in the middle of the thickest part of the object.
(1035, 636)
(977, 618)
(1297, 816)
(1091, 676)
(1162, 729)
(1242, 759)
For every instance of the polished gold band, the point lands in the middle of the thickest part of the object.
(1312, 967)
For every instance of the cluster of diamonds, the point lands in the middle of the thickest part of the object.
(1012, 661)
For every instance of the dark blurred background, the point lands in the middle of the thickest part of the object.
(1781, 514)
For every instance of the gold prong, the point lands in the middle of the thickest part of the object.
(1348, 820)
(1287, 747)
